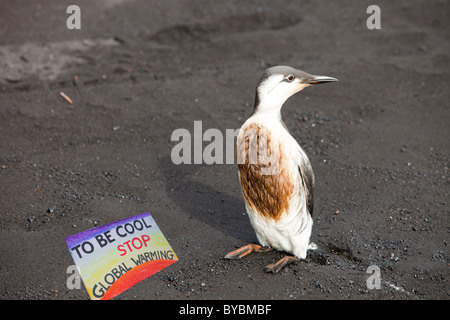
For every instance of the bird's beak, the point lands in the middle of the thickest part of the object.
(320, 79)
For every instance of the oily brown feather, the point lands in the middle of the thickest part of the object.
(267, 194)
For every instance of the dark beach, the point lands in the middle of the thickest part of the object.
(378, 141)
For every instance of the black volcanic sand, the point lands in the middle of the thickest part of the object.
(378, 141)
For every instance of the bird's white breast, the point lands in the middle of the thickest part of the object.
(291, 230)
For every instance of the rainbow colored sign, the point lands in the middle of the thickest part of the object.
(115, 257)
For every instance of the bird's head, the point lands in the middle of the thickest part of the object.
(279, 83)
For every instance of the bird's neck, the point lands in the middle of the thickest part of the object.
(268, 104)
(267, 114)
(268, 108)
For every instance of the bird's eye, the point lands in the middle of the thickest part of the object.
(290, 78)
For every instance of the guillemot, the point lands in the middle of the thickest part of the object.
(275, 174)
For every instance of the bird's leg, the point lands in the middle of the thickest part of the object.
(245, 250)
(277, 266)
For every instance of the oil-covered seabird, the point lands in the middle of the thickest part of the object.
(275, 174)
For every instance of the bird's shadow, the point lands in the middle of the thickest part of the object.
(221, 209)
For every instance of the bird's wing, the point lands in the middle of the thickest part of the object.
(307, 177)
